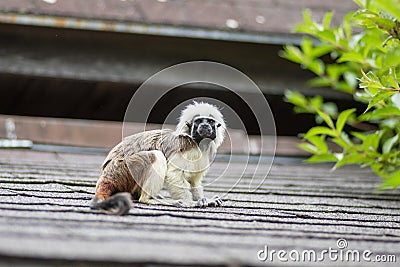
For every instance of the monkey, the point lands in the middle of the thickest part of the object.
(141, 164)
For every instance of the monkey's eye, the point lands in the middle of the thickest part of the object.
(197, 121)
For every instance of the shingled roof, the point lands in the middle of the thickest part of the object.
(257, 16)
(46, 221)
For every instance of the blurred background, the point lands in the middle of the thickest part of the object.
(83, 60)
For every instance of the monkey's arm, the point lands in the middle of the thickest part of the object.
(179, 187)
(198, 194)
(196, 187)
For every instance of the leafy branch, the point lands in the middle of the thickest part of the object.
(360, 57)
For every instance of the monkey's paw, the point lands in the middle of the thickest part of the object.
(203, 202)
(216, 201)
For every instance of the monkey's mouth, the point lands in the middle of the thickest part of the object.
(206, 133)
(200, 136)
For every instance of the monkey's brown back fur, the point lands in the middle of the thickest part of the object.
(125, 165)
(117, 176)
(166, 141)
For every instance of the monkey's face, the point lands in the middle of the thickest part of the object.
(203, 128)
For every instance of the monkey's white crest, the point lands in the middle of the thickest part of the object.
(202, 109)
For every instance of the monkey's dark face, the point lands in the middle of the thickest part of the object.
(202, 128)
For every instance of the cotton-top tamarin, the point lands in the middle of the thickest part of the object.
(142, 163)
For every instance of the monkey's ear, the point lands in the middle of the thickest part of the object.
(189, 125)
(219, 125)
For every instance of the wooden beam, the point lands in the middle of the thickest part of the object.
(106, 134)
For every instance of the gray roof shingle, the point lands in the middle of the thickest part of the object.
(264, 16)
(44, 200)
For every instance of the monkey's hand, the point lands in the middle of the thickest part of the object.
(203, 202)
(216, 201)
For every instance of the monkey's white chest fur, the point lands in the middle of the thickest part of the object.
(189, 163)
(185, 170)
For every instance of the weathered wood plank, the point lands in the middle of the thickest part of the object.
(85, 133)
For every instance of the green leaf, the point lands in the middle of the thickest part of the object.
(384, 23)
(295, 98)
(292, 53)
(371, 141)
(393, 181)
(316, 66)
(390, 6)
(335, 71)
(306, 46)
(316, 102)
(318, 130)
(381, 113)
(341, 143)
(308, 25)
(327, 20)
(322, 158)
(307, 16)
(350, 159)
(346, 25)
(342, 118)
(336, 56)
(360, 3)
(327, 36)
(380, 96)
(319, 82)
(326, 118)
(378, 169)
(387, 146)
(371, 82)
(391, 78)
(319, 142)
(392, 58)
(352, 57)
(308, 147)
(320, 50)
(360, 136)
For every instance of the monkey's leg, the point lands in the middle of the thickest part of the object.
(154, 179)
(150, 175)
(114, 188)
(181, 196)
(197, 191)
(179, 188)
(128, 174)
(109, 197)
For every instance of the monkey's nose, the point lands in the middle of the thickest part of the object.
(204, 130)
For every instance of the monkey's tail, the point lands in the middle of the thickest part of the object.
(118, 204)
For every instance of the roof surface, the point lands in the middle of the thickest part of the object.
(45, 218)
(272, 16)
